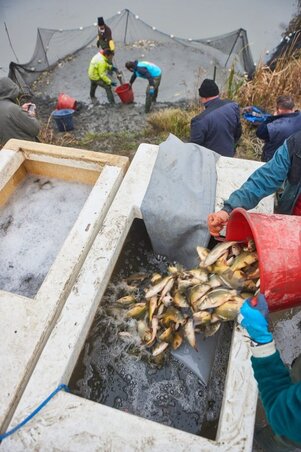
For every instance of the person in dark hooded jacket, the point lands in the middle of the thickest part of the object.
(276, 128)
(15, 121)
(218, 127)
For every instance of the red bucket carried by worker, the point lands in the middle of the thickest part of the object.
(125, 93)
(66, 102)
(278, 244)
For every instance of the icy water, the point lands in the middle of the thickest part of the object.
(113, 371)
(264, 21)
(33, 226)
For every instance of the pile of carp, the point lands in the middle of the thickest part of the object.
(182, 303)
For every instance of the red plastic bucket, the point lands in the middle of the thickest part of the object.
(278, 243)
(125, 93)
(65, 102)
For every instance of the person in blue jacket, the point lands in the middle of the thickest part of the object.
(279, 388)
(275, 129)
(218, 127)
(283, 170)
(150, 72)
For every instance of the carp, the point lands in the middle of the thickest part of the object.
(217, 252)
(159, 348)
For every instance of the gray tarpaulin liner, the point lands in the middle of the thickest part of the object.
(179, 197)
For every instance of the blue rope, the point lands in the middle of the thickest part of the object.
(28, 418)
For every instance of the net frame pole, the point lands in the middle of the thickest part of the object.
(126, 25)
(234, 44)
(214, 73)
(10, 43)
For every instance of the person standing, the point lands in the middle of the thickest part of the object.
(15, 121)
(218, 127)
(283, 170)
(150, 72)
(279, 388)
(104, 39)
(98, 70)
(285, 121)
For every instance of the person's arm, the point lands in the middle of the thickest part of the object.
(238, 132)
(263, 182)
(102, 68)
(262, 132)
(238, 129)
(198, 130)
(133, 78)
(108, 33)
(22, 120)
(281, 398)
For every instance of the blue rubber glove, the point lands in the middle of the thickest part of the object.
(253, 315)
(151, 90)
(113, 84)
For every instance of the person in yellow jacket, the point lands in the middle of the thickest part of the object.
(99, 68)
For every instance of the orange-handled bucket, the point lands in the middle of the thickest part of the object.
(125, 93)
(278, 243)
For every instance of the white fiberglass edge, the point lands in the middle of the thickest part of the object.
(72, 423)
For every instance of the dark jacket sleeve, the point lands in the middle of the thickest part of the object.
(280, 397)
(21, 120)
(263, 182)
(262, 132)
(198, 130)
(238, 132)
(238, 129)
(108, 33)
(133, 78)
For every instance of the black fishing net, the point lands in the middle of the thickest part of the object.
(135, 39)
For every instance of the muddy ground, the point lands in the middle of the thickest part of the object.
(117, 129)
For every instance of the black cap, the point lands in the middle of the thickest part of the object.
(100, 21)
(208, 88)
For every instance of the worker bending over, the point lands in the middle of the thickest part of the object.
(150, 72)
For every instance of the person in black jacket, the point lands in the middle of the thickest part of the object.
(104, 39)
(218, 127)
(278, 127)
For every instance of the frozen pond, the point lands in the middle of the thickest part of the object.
(33, 226)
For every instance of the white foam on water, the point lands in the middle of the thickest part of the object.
(117, 372)
(33, 226)
(287, 335)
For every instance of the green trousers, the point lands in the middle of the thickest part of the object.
(152, 98)
(95, 84)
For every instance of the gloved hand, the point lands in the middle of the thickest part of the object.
(30, 108)
(113, 84)
(216, 222)
(151, 90)
(252, 317)
(114, 69)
